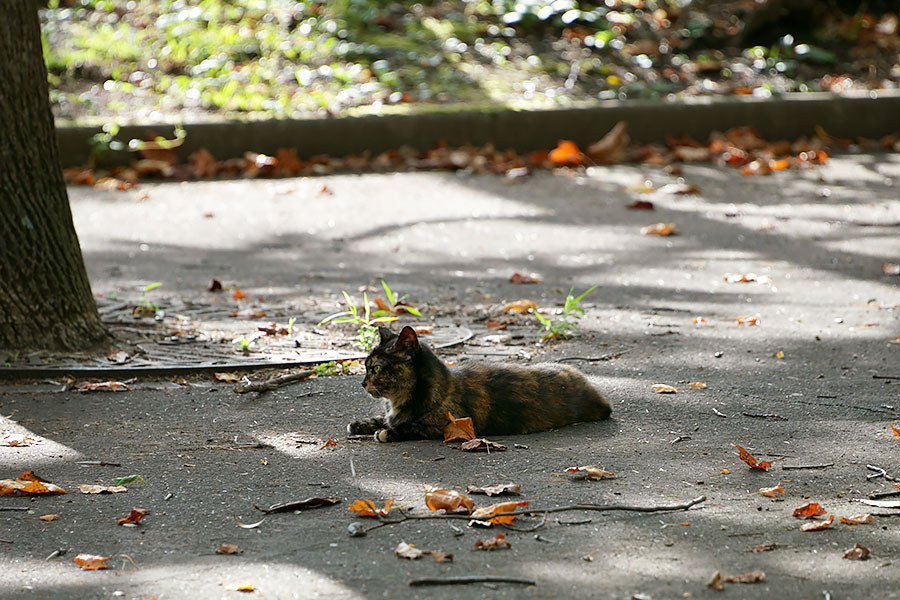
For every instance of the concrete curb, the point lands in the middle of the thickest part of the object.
(871, 115)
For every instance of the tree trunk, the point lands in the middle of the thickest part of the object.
(45, 297)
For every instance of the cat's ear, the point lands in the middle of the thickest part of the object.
(407, 343)
(385, 335)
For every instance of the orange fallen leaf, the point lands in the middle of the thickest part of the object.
(520, 306)
(748, 458)
(449, 501)
(519, 278)
(763, 547)
(754, 321)
(20, 439)
(227, 377)
(769, 492)
(817, 525)
(566, 153)
(241, 587)
(49, 517)
(134, 517)
(501, 507)
(659, 229)
(809, 511)
(459, 429)
(663, 388)
(894, 429)
(329, 443)
(238, 294)
(92, 562)
(497, 542)
(28, 484)
(640, 205)
(857, 519)
(698, 320)
(698, 385)
(367, 508)
(112, 386)
(496, 325)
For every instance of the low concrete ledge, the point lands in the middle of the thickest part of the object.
(870, 115)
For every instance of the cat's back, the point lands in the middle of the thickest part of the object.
(512, 398)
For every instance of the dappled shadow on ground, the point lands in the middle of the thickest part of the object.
(453, 241)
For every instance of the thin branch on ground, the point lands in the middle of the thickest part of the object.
(471, 579)
(879, 472)
(272, 383)
(610, 356)
(543, 511)
(822, 466)
(765, 416)
(14, 508)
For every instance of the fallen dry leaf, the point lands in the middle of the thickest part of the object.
(497, 542)
(481, 445)
(87, 488)
(611, 147)
(748, 458)
(134, 517)
(49, 517)
(894, 429)
(241, 587)
(590, 472)
(496, 325)
(501, 507)
(329, 443)
(458, 429)
(566, 153)
(809, 511)
(698, 320)
(699, 385)
(679, 189)
(746, 278)
(818, 525)
(857, 519)
(367, 508)
(496, 489)
(763, 547)
(640, 205)
(520, 306)
(203, 163)
(238, 294)
(718, 581)
(449, 501)
(519, 278)
(92, 562)
(216, 285)
(404, 550)
(28, 484)
(769, 492)
(890, 268)
(659, 229)
(663, 388)
(227, 377)
(228, 549)
(754, 321)
(20, 439)
(112, 386)
(857, 552)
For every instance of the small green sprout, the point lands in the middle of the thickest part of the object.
(365, 319)
(567, 324)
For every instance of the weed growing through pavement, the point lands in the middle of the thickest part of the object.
(395, 300)
(334, 367)
(567, 324)
(145, 305)
(365, 320)
(245, 344)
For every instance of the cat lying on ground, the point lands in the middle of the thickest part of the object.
(502, 399)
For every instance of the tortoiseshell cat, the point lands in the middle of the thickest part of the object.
(502, 399)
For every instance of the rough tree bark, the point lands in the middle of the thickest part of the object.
(45, 297)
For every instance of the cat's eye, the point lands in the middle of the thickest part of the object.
(374, 369)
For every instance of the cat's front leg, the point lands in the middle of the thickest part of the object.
(366, 426)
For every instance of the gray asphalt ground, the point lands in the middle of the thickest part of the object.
(814, 383)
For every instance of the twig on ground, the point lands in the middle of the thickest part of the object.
(14, 508)
(878, 495)
(544, 512)
(680, 438)
(822, 466)
(272, 383)
(765, 416)
(879, 472)
(101, 463)
(720, 414)
(471, 579)
(603, 357)
(885, 376)
(2, 541)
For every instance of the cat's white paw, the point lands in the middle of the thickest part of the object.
(381, 435)
(350, 428)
